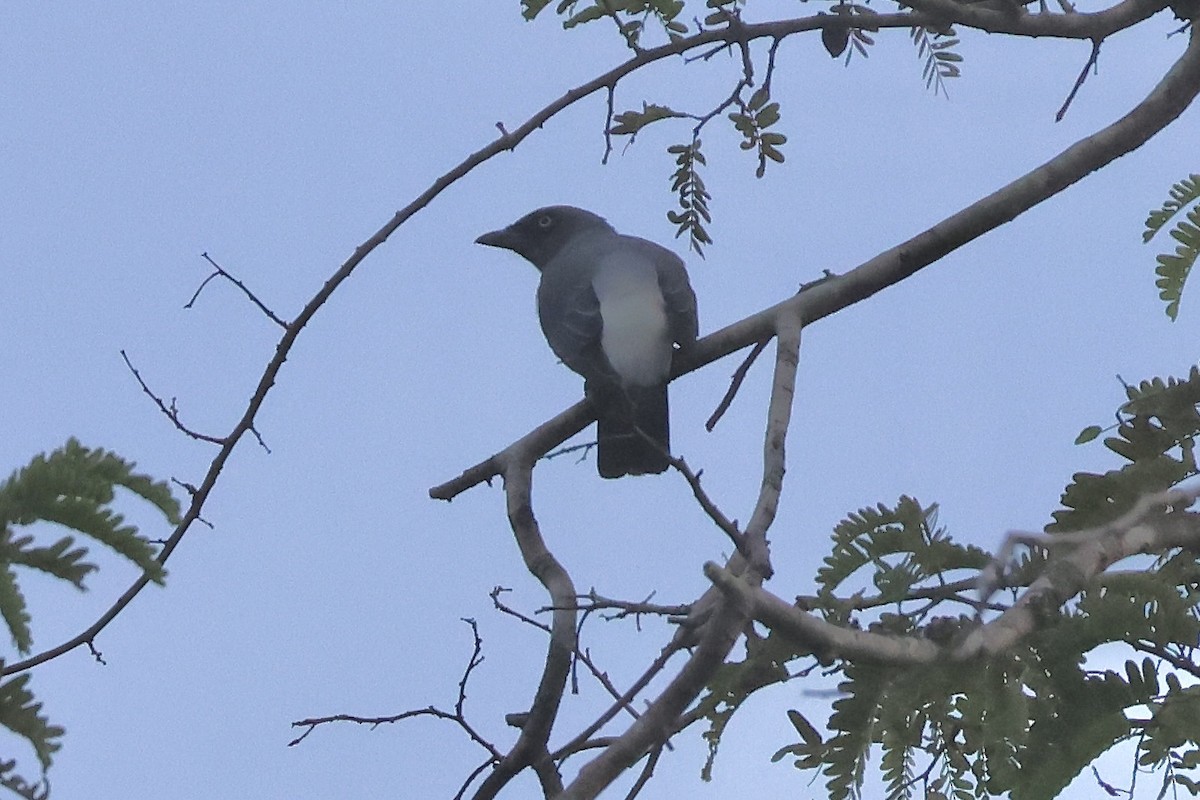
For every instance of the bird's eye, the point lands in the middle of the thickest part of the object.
(545, 221)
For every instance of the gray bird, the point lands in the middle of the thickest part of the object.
(612, 308)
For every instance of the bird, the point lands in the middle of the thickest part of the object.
(613, 308)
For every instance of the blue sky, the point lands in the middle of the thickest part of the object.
(134, 137)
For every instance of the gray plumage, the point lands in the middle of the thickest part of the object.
(613, 308)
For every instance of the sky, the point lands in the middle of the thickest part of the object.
(136, 136)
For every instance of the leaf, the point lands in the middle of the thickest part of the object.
(1173, 269)
(74, 487)
(835, 35)
(1088, 434)
(692, 196)
(940, 62)
(21, 714)
(807, 732)
(1180, 195)
(531, 8)
(589, 14)
(628, 123)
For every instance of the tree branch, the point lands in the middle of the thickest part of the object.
(535, 728)
(1162, 106)
(1144, 529)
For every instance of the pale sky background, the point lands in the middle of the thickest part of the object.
(277, 137)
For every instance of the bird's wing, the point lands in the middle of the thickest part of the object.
(569, 312)
(677, 292)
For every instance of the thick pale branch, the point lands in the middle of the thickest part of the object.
(724, 621)
(779, 415)
(530, 748)
(658, 721)
(1089, 553)
(1085, 556)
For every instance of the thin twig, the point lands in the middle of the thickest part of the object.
(625, 608)
(580, 655)
(171, 412)
(475, 773)
(220, 271)
(581, 740)
(739, 375)
(646, 774)
(458, 717)
(726, 525)
(608, 123)
(1083, 73)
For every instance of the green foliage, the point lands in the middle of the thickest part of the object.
(21, 714)
(628, 123)
(1021, 725)
(693, 197)
(752, 122)
(723, 11)
(736, 681)
(72, 487)
(12, 781)
(1173, 268)
(941, 62)
(665, 11)
(1024, 723)
(903, 544)
(1156, 433)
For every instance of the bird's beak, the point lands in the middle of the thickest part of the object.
(501, 238)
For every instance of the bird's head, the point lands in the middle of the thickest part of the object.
(541, 234)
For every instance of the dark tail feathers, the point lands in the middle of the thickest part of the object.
(620, 449)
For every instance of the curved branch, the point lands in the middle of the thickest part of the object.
(1076, 25)
(530, 748)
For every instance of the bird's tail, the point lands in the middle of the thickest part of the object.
(621, 413)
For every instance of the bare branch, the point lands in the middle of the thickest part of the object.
(1076, 25)
(625, 608)
(728, 526)
(535, 728)
(458, 717)
(739, 375)
(220, 272)
(580, 655)
(170, 411)
(583, 740)
(1091, 64)
(1084, 555)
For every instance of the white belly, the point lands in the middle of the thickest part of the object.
(635, 337)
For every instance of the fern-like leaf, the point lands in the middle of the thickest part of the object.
(17, 784)
(1173, 268)
(693, 197)
(22, 714)
(75, 487)
(908, 532)
(941, 62)
(1180, 196)
(1157, 433)
(735, 681)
